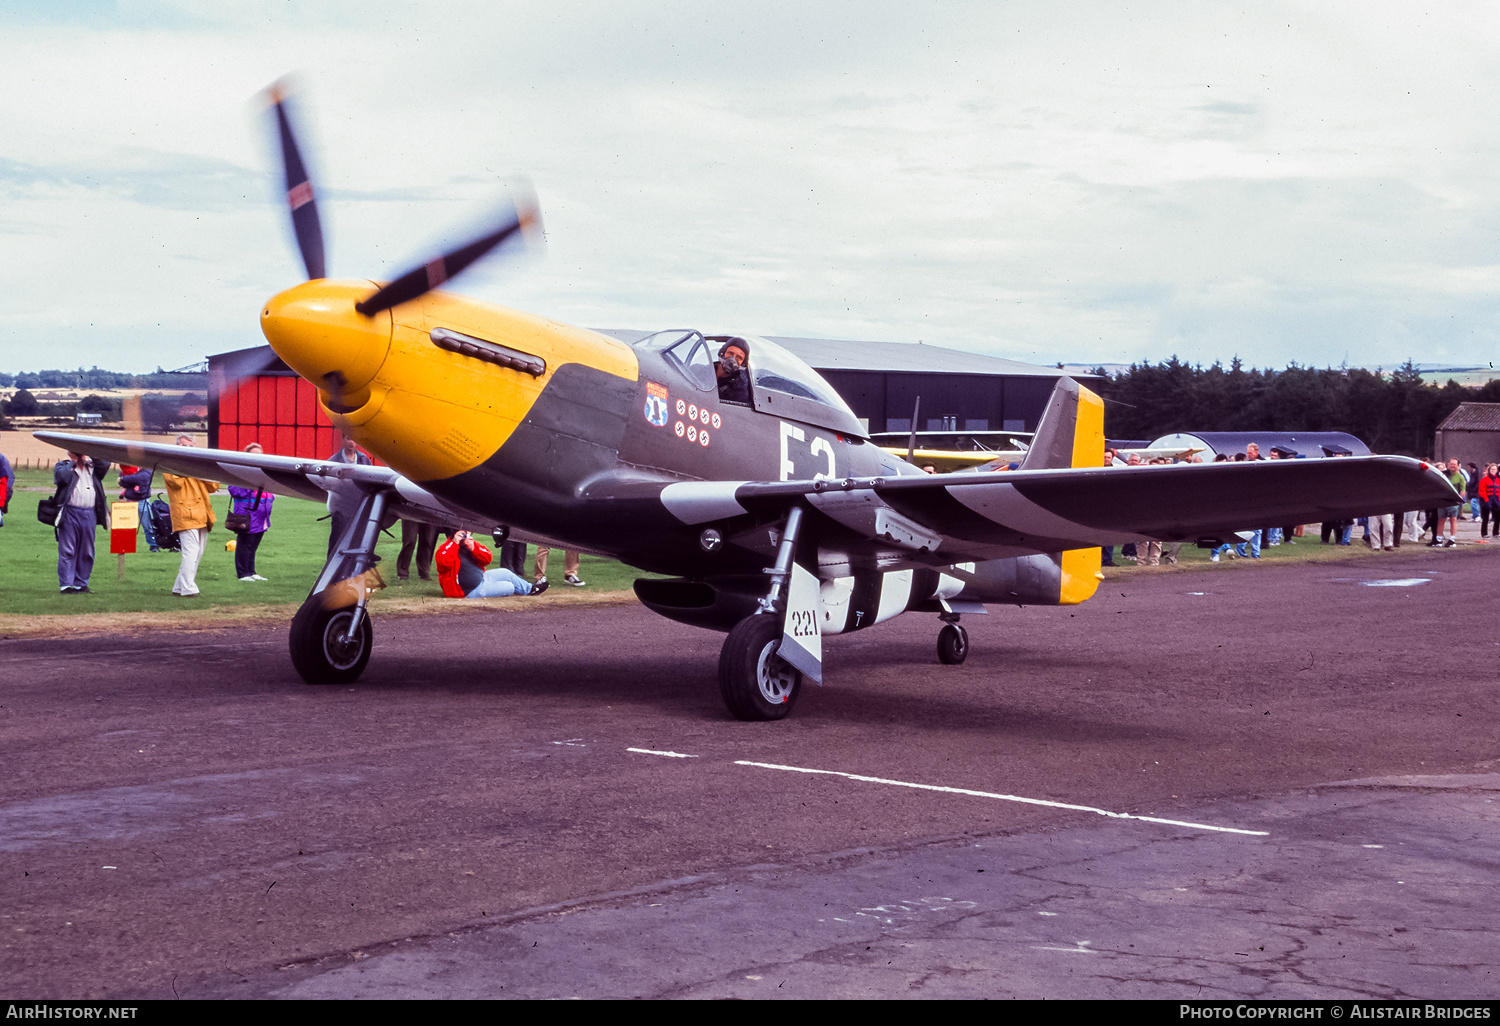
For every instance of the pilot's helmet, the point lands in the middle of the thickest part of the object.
(736, 343)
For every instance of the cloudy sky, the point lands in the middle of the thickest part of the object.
(1044, 181)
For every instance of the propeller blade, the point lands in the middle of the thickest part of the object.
(431, 275)
(299, 192)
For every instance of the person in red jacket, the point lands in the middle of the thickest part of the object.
(1489, 501)
(461, 563)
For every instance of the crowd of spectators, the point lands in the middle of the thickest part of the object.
(1157, 553)
(79, 507)
(1481, 494)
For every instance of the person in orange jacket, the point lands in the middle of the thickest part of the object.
(461, 563)
(192, 519)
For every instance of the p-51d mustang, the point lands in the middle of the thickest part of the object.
(776, 518)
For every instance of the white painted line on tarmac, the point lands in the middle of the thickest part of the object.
(1002, 797)
(669, 755)
(1404, 582)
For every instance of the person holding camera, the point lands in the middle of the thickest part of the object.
(80, 498)
(461, 563)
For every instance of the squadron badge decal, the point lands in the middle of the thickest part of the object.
(656, 404)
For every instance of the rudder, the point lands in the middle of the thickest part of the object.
(1071, 432)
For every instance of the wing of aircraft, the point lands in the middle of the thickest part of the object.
(301, 478)
(283, 475)
(984, 515)
(1061, 498)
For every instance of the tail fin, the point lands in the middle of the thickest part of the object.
(1071, 432)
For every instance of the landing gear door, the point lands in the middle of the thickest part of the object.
(802, 636)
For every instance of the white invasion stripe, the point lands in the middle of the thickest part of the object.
(416, 495)
(252, 476)
(695, 502)
(669, 755)
(1003, 798)
(895, 593)
(1004, 505)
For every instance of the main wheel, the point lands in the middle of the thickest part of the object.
(953, 644)
(319, 651)
(756, 683)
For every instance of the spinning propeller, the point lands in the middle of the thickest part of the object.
(520, 217)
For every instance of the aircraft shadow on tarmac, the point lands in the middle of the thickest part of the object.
(685, 685)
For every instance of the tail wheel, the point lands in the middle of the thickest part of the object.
(953, 644)
(319, 651)
(755, 682)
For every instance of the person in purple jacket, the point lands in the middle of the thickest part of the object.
(257, 503)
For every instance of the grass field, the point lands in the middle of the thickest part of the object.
(290, 556)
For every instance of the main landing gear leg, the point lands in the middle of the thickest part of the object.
(953, 640)
(331, 638)
(755, 682)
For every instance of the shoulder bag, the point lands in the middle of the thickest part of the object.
(238, 521)
(49, 512)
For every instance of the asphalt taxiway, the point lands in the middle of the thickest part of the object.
(1269, 781)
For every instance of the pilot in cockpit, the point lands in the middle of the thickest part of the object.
(732, 370)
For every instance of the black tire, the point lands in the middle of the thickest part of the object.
(756, 683)
(317, 647)
(953, 644)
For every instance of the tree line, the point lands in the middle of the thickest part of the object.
(1394, 413)
(95, 378)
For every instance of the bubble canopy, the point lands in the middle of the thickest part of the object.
(687, 350)
(780, 383)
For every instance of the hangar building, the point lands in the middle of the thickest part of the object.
(960, 391)
(254, 396)
(1471, 433)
